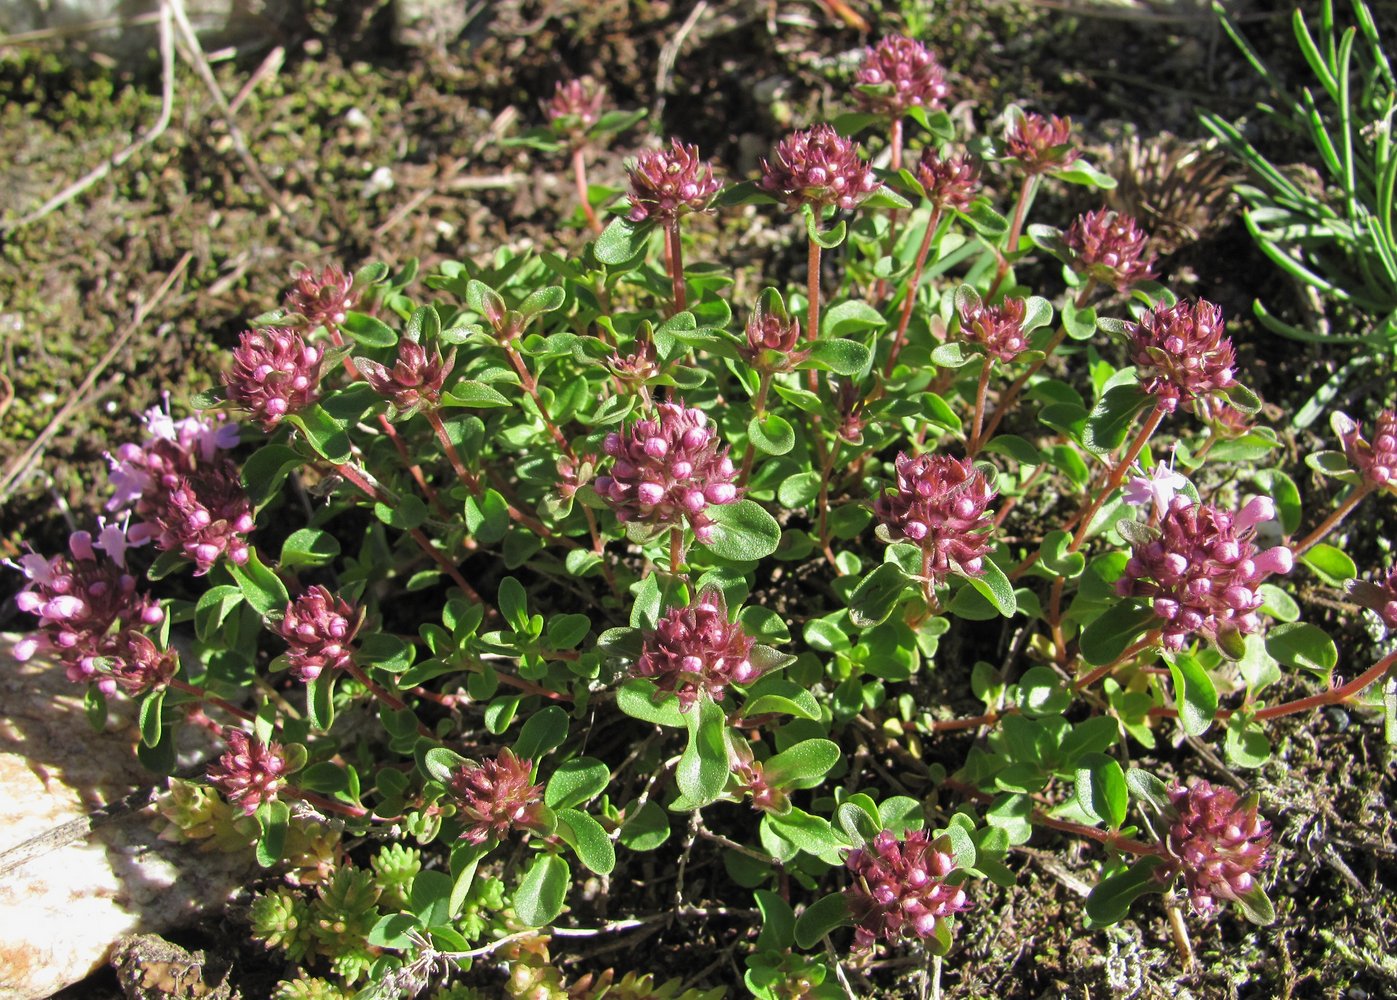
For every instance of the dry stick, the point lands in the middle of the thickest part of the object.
(911, 295)
(579, 174)
(75, 400)
(1332, 521)
(167, 103)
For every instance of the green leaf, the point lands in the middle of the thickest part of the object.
(1041, 692)
(273, 817)
(541, 893)
(151, 726)
(1256, 906)
(702, 772)
(588, 840)
(368, 330)
(266, 469)
(637, 699)
(1245, 744)
(799, 490)
(1101, 789)
(806, 761)
(850, 316)
(771, 434)
(1111, 633)
(543, 300)
(1147, 788)
(1302, 645)
(995, 587)
(621, 242)
(262, 589)
(473, 393)
(1111, 418)
(439, 763)
(1332, 565)
(545, 730)
(320, 701)
(877, 594)
(325, 434)
(213, 609)
(843, 357)
(953, 355)
(1110, 900)
(487, 518)
(1194, 692)
(828, 239)
(1054, 556)
(430, 897)
(886, 197)
(819, 918)
(309, 547)
(744, 531)
(514, 604)
(646, 829)
(575, 782)
(404, 513)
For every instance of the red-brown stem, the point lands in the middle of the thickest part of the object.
(826, 470)
(1140, 645)
(911, 294)
(193, 690)
(812, 333)
(1332, 521)
(1126, 845)
(971, 722)
(413, 468)
(325, 804)
(972, 447)
(383, 694)
(895, 142)
(758, 410)
(530, 687)
(676, 265)
(676, 550)
(468, 479)
(1011, 243)
(530, 385)
(579, 175)
(1117, 475)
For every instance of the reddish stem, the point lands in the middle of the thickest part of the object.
(184, 687)
(1333, 520)
(972, 447)
(675, 255)
(910, 299)
(383, 694)
(1011, 243)
(579, 174)
(1140, 645)
(325, 804)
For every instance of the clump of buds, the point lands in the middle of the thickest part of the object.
(1380, 598)
(275, 372)
(1183, 356)
(137, 665)
(669, 183)
(324, 299)
(772, 336)
(1375, 461)
(899, 74)
(1041, 145)
(766, 797)
(251, 772)
(899, 888)
(1110, 248)
(949, 182)
(998, 329)
(1217, 842)
(696, 649)
(496, 796)
(84, 605)
(668, 470)
(817, 167)
(414, 381)
(1202, 570)
(940, 504)
(576, 105)
(319, 628)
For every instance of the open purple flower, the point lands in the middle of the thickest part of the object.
(324, 299)
(1202, 571)
(818, 167)
(940, 504)
(1183, 356)
(1110, 248)
(275, 372)
(496, 796)
(1217, 842)
(899, 888)
(319, 628)
(669, 183)
(899, 74)
(696, 649)
(668, 471)
(251, 772)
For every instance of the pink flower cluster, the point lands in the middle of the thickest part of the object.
(817, 167)
(1183, 356)
(772, 339)
(496, 796)
(1202, 572)
(1376, 460)
(668, 470)
(324, 299)
(998, 329)
(696, 649)
(415, 380)
(949, 182)
(766, 797)
(319, 628)
(1110, 248)
(940, 504)
(251, 772)
(88, 609)
(1040, 144)
(275, 372)
(669, 183)
(1216, 841)
(899, 888)
(184, 489)
(899, 74)
(576, 104)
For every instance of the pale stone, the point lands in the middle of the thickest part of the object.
(80, 862)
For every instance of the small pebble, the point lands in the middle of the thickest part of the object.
(379, 182)
(354, 118)
(1338, 717)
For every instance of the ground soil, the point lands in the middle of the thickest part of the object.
(346, 105)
